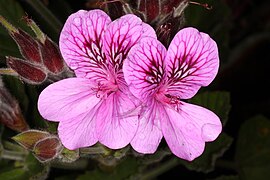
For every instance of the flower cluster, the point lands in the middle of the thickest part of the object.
(129, 88)
(41, 60)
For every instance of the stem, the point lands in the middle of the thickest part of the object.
(8, 71)
(11, 155)
(93, 150)
(77, 165)
(46, 14)
(7, 25)
(39, 34)
(160, 169)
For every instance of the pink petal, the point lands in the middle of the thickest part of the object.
(187, 131)
(144, 67)
(67, 99)
(121, 35)
(149, 132)
(79, 131)
(81, 44)
(117, 123)
(193, 62)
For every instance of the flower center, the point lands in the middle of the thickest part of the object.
(168, 99)
(104, 90)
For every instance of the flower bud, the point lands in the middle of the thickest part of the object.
(10, 112)
(52, 58)
(28, 139)
(28, 46)
(150, 8)
(50, 52)
(30, 73)
(47, 149)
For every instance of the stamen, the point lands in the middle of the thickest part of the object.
(174, 101)
(97, 90)
(205, 5)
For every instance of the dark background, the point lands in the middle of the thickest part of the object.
(241, 29)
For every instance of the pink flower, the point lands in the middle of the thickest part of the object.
(96, 105)
(161, 78)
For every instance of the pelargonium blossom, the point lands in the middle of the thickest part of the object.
(161, 79)
(96, 105)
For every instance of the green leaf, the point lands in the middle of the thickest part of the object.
(232, 177)
(253, 149)
(206, 162)
(218, 102)
(251, 173)
(158, 156)
(253, 144)
(36, 170)
(14, 174)
(124, 170)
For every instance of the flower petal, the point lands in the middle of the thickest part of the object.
(187, 131)
(81, 44)
(79, 131)
(193, 62)
(148, 135)
(144, 68)
(116, 123)
(67, 99)
(121, 35)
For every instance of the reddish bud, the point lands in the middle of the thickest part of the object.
(51, 55)
(28, 139)
(28, 46)
(47, 149)
(29, 72)
(150, 8)
(169, 6)
(10, 112)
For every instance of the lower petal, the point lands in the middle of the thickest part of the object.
(79, 131)
(149, 133)
(187, 131)
(117, 123)
(67, 99)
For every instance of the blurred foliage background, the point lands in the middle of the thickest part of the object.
(239, 95)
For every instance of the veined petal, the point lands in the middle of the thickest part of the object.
(66, 99)
(144, 68)
(79, 131)
(121, 35)
(187, 131)
(148, 135)
(192, 61)
(116, 123)
(81, 44)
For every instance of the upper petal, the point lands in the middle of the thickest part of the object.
(192, 61)
(117, 120)
(187, 131)
(67, 99)
(81, 44)
(144, 68)
(148, 135)
(121, 35)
